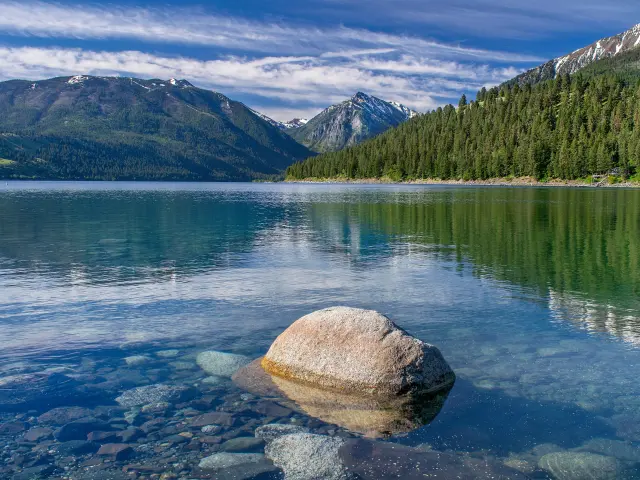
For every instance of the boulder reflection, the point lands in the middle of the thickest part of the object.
(368, 416)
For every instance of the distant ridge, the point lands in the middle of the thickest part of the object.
(87, 127)
(350, 122)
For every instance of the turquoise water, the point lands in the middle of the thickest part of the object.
(532, 295)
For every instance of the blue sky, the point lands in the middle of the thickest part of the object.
(293, 58)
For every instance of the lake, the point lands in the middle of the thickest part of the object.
(531, 294)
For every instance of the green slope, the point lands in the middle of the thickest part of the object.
(121, 128)
(565, 128)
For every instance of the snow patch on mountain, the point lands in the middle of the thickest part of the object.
(295, 123)
(77, 79)
(579, 59)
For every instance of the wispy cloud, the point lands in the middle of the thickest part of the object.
(280, 68)
(309, 82)
(492, 18)
(182, 26)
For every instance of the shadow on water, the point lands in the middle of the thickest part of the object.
(476, 419)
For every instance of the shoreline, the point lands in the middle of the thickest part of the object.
(495, 182)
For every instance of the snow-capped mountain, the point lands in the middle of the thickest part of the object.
(569, 64)
(350, 122)
(295, 123)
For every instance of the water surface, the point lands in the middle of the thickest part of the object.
(532, 295)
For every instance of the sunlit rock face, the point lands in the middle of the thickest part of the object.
(354, 351)
(353, 368)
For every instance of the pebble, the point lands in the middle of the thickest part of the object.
(119, 451)
(272, 431)
(211, 429)
(76, 447)
(38, 434)
(213, 418)
(243, 444)
(222, 460)
(79, 429)
(168, 353)
(155, 393)
(11, 428)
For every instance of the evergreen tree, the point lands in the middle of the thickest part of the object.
(566, 128)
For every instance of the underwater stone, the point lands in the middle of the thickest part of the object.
(579, 466)
(154, 394)
(211, 429)
(272, 431)
(218, 461)
(243, 444)
(305, 456)
(137, 360)
(221, 364)
(62, 415)
(614, 448)
(168, 353)
(356, 351)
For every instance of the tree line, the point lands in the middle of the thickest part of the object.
(569, 128)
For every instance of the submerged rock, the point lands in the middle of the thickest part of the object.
(37, 434)
(304, 456)
(218, 461)
(137, 360)
(614, 448)
(19, 391)
(62, 415)
(118, 451)
(79, 429)
(221, 364)
(243, 444)
(211, 429)
(168, 353)
(270, 432)
(155, 394)
(582, 466)
(356, 351)
(377, 460)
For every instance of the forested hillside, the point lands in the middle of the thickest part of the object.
(132, 129)
(568, 128)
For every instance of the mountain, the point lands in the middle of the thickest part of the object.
(86, 127)
(295, 123)
(350, 122)
(605, 48)
(571, 127)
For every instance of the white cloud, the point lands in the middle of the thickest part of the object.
(297, 86)
(279, 69)
(184, 26)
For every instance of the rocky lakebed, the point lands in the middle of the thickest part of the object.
(154, 413)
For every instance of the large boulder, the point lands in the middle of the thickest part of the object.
(356, 351)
